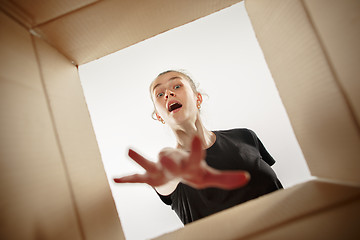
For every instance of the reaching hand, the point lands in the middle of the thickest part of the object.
(190, 168)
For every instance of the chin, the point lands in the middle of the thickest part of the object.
(180, 120)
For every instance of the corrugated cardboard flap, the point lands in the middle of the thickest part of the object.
(86, 30)
(315, 94)
(275, 211)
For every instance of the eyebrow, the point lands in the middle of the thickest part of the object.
(173, 78)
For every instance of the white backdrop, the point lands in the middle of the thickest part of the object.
(221, 53)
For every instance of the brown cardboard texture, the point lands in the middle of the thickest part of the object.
(53, 183)
(77, 143)
(86, 30)
(35, 192)
(319, 107)
(274, 212)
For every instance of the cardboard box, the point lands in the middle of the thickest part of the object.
(52, 181)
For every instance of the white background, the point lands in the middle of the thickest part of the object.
(221, 53)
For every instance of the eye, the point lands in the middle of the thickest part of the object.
(160, 94)
(177, 86)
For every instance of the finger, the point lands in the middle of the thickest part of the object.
(227, 179)
(146, 164)
(197, 153)
(135, 178)
(140, 178)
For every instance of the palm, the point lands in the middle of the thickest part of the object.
(189, 167)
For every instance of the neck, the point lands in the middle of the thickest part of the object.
(186, 132)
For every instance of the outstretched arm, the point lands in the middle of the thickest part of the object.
(189, 168)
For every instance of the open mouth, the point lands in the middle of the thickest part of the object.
(174, 106)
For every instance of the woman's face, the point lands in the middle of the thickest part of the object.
(174, 99)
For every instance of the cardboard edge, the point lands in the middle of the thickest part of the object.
(284, 206)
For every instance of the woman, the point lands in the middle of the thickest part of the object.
(208, 171)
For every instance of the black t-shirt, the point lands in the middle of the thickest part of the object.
(235, 149)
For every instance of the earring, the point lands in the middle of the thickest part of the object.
(198, 105)
(160, 119)
(199, 101)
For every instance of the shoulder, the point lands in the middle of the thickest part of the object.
(244, 135)
(238, 132)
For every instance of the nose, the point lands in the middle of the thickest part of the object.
(169, 93)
